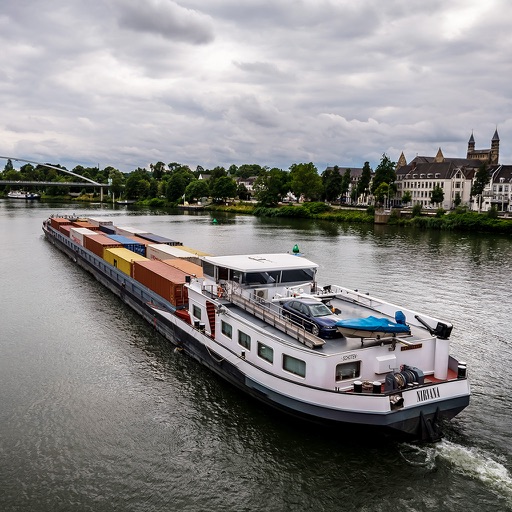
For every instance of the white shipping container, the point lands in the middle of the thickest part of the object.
(169, 252)
(98, 221)
(77, 234)
(128, 231)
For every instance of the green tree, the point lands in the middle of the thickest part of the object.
(116, 179)
(137, 185)
(28, 172)
(457, 200)
(8, 166)
(305, 181)
(153, 188)
(381, 193)
(196, 189)
(158, 170)
(271, 186)
(345, 184)
(482, 178)
(363, 185)
(416, 210)
(248, 170)
(384, 173)
(223, 188)
(177, 183)
(437, 196)
(406, 197)
(331, 182)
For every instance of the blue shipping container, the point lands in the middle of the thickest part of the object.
(157, 239)
(130, 244)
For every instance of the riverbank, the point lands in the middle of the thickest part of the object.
(456, 220)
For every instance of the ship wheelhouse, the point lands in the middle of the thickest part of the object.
(264, 275)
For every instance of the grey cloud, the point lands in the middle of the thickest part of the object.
(165, 18)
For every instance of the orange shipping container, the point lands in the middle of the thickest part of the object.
(65, 229)
(168, 282)
(86, 224)
(139, 240)
(98, 243)
(57, 222)
(186, 266)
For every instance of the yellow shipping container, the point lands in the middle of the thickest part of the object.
(122, 258)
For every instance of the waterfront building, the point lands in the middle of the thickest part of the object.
(455, 177)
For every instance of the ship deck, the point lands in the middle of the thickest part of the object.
(339, 344)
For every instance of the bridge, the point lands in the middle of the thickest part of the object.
(53, 183)
(88, 182)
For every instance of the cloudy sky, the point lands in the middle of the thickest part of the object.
(273, 82)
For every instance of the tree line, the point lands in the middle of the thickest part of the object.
(175, 182)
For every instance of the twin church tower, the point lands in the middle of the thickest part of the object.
(490, 156)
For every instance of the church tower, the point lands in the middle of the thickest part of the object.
(471, 145)
(494, 157)
(402, 162)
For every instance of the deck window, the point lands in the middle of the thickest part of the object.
(293, 365)
(265, 352)
(196, 311)
(346, 371)
(298, 275)
(244, 340)
(208, 269)
(226, 329)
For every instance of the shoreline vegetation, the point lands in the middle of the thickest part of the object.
(459, 219)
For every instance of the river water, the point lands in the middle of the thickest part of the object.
(99, 413)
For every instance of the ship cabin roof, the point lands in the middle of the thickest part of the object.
(261, 262)
(260, 269)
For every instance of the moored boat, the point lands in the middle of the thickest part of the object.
(20, 194)
(227, 313)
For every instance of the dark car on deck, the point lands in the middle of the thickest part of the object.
(313, 315)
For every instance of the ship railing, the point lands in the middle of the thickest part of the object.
(272, 314)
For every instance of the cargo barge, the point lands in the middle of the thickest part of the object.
(262, 323)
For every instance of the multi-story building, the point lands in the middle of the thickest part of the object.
(455, 177)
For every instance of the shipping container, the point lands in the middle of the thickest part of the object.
(129, 244)
(57, 222)
(186, 266)
(166, 252)
(98, 221)
(122, 259)
(77, 234)
(139, 240)
(85, 224)
(157, 239)
(168, 282)
(65, 229)
(98, 243)
(128, 231)
(194, 251)
(108, 230)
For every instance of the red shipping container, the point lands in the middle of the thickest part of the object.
(98, 243)
(65, 229)
(163, 279)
